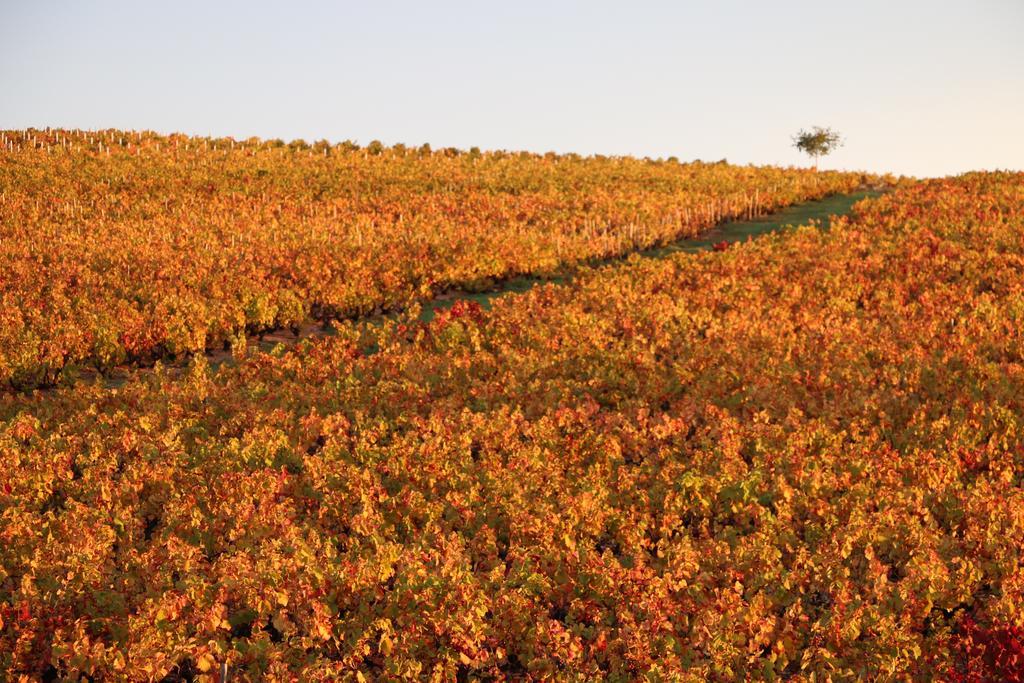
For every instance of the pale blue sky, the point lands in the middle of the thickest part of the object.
(924, 87)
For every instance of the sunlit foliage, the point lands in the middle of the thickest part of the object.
(797, 457)
(120, 247)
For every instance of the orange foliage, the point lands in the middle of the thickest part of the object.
(798, 457)
(123, 247)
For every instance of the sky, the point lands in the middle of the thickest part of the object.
(916, 87)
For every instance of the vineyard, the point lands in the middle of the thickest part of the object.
(126, 248)
(800, 457)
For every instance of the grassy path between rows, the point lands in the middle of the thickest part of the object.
(818, 212)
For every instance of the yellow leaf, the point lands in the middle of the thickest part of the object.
(280, 623)
(205, 662)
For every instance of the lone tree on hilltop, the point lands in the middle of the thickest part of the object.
(817, 142)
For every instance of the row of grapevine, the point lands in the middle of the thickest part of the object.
(797, 457)
(120, 247)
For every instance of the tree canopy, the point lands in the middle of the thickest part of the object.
(817, 142)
